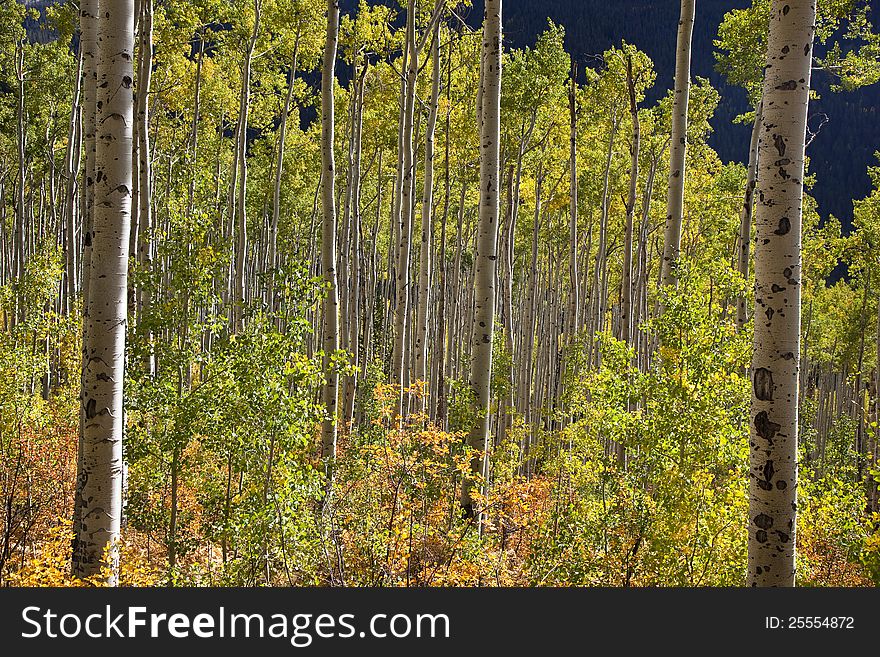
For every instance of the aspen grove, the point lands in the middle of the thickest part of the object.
(307, 292)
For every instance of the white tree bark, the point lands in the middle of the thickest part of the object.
(486, 253)
(776, 349)
(404, 213)
(677, 162)
(626, 279)
(279, 169)
(100, 471)
(330, 337)
(574, 306)
(144, 183)
(744, 240)
(425, 260)
(88, 28)
(241, 244)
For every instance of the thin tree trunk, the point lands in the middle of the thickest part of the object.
(421, 338)
(574, 306)
(330, 338)
(677, 163)
(485, 255)
(626, 307)
(745, 227)
(144, 183)
(404, 217)
(238, 281)
(279, 168)
(442, 320)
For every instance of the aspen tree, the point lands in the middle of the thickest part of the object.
(574, 308)
(776, 347)
(240, 193)
(330, 336)
(421, 346)
(486, 253)
(100, 470)
(279, 169)
(404, 207)
(744, 240)
(678, 152)
(626, 281)
(88, 29)
(144, 222)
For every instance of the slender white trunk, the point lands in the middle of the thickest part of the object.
(574, 308)
(404, 213)
(421, 346)
(626, 283)
(241, 243)
(486, 253)
(776, 348)
(100, 470)
(144, 184)
(745, 227)
(328, 235)
(279, 168)
(677, 161)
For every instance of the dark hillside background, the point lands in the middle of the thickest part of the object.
(840, 153)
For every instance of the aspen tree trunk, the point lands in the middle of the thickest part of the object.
(874, 440)
(404, 213)
(240, 195)
(344, 201)
(330, 338)
(626, 286)
(776, 347)
(421, 337)
(574, 308)
(194, 129)
(88, 27)
(100, 470)
(279, 168)
(144, 182)
(677, 162)
(599, 299)
(357, 265)
(71, 171)
(859, 407)
(530, 322)
(485, 255)
(745, 227)
(442, 320)
(24, 235)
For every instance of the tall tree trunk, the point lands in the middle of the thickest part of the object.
(279, 168)
(24, 235)
(442, 320)
(744, 240)
(240, 195)
(626, 282)
(353, 307)
(71, 171)
(485, 255)
(677, 162)
(574, 306)
(776, 347)
(404, 214)
(330, 338)
(421, 338)
(144, 182)
(100, 472)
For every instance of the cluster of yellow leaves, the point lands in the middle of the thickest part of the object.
(50, 566)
